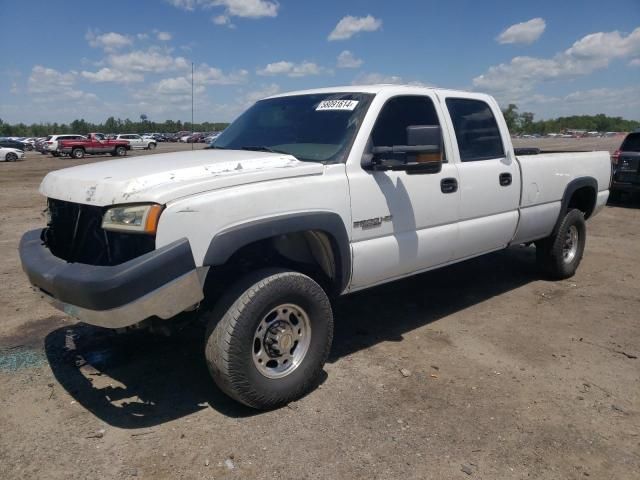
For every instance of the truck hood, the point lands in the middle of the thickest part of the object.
(165, 177)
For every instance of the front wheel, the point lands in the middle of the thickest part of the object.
(559, 255)
(151, 146)
(269, 337)
(11, 157)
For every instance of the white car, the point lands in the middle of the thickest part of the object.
(51, 143)
(10, 154)
(137, 142)
(307, 196)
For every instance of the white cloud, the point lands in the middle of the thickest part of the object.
(142, 36)
(184, 4)
(108, 41)
(610, 101)
(525, 32)
(249, 8)
(106, 74)
(233, 8)
(348, 26)
(222, 20)
(380, 78)
(346, 59)
(517, 78)
(214, 76)
(291, 69)
(635, 62)
(48, 84)
(151, 60)
(163, 36)
(253, 96)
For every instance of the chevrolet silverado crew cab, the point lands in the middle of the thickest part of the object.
(306, 196)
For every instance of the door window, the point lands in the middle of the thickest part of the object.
(399, 113)
(476, 129)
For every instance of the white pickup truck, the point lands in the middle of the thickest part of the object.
(306, 196)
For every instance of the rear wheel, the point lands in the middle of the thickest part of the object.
(11, 157)
(559, 255)
(121, 151)
(269, 337)
(77, 153)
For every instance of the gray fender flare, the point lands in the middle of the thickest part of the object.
(225, 243)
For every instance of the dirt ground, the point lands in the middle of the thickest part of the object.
(510, 376)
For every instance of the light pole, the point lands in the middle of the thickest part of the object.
(192, 132)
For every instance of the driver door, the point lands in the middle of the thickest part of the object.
(402, 222)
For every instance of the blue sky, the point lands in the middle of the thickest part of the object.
(92, 59)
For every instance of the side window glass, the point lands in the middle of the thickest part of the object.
(399, 113)
(476, 129)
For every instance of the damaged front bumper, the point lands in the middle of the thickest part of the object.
(161, 283)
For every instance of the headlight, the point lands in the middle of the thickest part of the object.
(132, 219)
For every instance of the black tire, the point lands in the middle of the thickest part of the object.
(232, 328)
(11, 157)
(554, 255)
(151, 146)
(121, 151)
(77, 153)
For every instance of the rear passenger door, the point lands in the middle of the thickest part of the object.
(489, 178)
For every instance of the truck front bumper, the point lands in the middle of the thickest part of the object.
(161, 283)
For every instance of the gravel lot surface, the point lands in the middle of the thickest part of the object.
(480, 370)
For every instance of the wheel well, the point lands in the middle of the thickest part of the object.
(584, 199)
(312, 252)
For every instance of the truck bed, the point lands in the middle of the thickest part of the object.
(545, 177)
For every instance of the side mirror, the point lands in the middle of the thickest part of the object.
(421, 154)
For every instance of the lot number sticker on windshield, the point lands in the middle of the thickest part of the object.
(337, 105)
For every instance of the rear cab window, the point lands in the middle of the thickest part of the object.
(476, 129)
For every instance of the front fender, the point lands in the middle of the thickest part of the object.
(229, 241)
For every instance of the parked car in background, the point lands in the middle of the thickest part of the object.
(95, 144)
(41, 146)
(52, 142)
(137, 142)
(8, 143)
(626, 165)
(10, 154)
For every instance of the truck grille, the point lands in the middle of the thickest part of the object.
(74, 233)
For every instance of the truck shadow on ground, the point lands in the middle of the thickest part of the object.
(139, 380)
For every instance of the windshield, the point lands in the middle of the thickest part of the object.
(631, 143)
(316, 127)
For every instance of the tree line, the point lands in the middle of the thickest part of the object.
(111, 125)
(524, 123)
(517, 122)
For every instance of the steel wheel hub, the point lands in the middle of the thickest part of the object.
(281, 341)
(570, 247)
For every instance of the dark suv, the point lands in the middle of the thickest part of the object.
(626, 165)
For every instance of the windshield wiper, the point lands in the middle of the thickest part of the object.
(264, 148)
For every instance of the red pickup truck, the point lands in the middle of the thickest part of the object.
(96, 144)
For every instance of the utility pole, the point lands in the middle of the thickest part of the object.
(192, 132)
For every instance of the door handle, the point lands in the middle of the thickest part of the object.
(449, 185)
(505, 179)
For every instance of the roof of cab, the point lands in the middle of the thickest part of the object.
(378, 88)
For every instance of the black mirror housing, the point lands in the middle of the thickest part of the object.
(424, 135)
